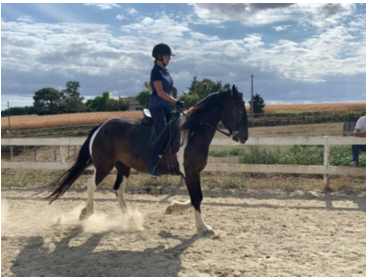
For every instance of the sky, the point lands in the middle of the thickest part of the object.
(298, 53)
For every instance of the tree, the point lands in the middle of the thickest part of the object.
(16, 111)
(106, 103)
(72, 99)
(191, 89)
(199, 90)
(144, 96)
(47, 99)
(189, 100)
(258, 104)
(174, 92)
(206, 87)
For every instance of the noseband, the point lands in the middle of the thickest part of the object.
(228, 134)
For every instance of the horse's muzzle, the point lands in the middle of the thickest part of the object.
(238, 138)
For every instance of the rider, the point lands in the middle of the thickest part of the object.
(160, 103)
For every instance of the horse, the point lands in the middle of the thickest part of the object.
(110, 145)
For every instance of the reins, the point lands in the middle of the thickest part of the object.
(228, 134)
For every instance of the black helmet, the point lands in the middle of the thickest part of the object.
(161, 49)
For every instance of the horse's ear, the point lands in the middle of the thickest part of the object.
(234, 90)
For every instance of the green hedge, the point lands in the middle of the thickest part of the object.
(297, 155)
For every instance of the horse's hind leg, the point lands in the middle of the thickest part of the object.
(120, 185)
(97, 178)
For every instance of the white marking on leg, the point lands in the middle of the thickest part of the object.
(121, 195)
(179, 207)
(202, 228)
(91, 188)
(95, 134)
(91, 193)
(181, 152)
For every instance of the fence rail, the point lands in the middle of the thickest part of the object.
(324, 169)
(254, 141)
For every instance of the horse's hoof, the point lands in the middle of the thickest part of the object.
(170, 210)
(206, 232)
(84, 215)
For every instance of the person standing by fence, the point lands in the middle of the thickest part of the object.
(359, 131)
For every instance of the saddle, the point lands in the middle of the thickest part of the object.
(144, 135)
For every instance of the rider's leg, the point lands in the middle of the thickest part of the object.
(160, 123)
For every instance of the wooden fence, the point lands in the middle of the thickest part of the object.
(326, 169)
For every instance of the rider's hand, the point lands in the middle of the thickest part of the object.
(179, 105)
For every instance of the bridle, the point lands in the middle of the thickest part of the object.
(228, 134)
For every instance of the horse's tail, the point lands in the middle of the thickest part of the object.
(62, 184)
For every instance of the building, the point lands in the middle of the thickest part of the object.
(134, 104)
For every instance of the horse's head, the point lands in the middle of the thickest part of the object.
(234, 116)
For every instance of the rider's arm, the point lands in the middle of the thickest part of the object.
(162, 94)
(357, 133)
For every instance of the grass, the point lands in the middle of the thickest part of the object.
(212, 183)
(296, 155)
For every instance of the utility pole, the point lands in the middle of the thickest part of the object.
(8, 117)
(251, 101)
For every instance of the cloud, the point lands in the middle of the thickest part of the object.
(132, 11)
(253, 41)
(37, 55)
(25, 19)
(281, 27)
(129, 13)
(319, 15)
(248, 14)
(161, 29)
(103, 6)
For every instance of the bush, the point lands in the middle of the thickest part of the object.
(236, 151)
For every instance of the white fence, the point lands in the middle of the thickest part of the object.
(324, 169)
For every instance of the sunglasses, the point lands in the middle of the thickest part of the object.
(168, 56)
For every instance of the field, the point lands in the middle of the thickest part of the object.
(285, 115)
(316, 107)
(64, 120)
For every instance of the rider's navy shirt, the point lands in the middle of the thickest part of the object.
(163, 75)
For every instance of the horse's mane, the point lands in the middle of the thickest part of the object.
(198, 112)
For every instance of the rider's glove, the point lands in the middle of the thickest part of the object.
(179, 105)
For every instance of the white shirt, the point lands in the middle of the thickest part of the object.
(361, 124)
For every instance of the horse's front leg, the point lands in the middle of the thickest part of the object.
(178, 207)
(193, 182)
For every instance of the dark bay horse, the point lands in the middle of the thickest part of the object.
(109, 146)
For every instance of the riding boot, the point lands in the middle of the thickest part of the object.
(152, 169)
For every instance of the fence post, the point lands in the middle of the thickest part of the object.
(326, 163)
(35, 154)
(62, 154)
(11, 153)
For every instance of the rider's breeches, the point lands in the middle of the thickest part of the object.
(161, 116)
